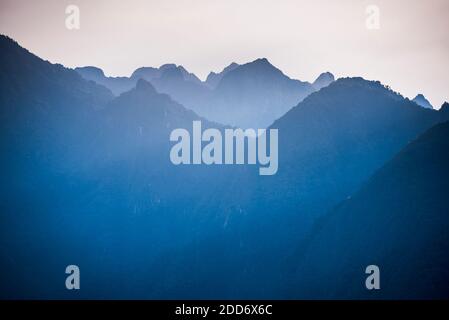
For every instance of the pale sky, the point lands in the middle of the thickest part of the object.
(409, 52)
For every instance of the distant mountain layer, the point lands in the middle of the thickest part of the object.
(398, 221)
(323, 80)
(254, 95)
(214, 78)
(250, 95)
(117, 85)
(422, 101)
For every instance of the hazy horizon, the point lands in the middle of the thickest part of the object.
(409, 52)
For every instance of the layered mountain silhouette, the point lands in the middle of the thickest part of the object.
(43, 104)
(87, 179)
(330, 144)
(422, 101)
(182, 86)
(214, 78)
(323, 80)
(117, 85)
(250, 95)
(398, 220)
(336, 138)
(254, 94)
(171, 79)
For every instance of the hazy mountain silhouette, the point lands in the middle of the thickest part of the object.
(254, 95)
(87, 178)
(181, 85)
(249, 95)
(398, 221)
(422, 101)
(214, 78)
(48, 120)
(117, 85)
(444, 110)
(146, 73)
(160, 77)
(150, 73)
(330, 144)
(335, 139)
(43, 104)
(323, 80)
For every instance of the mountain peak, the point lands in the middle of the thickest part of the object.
(214, 78)
(262, 62)
(167, 66)
(90, 71)
(172, 73)
(230, 67)
(422, 101)
(445, 107)
(323, 80)
(146, 73)
(259, 67)
(144, 86)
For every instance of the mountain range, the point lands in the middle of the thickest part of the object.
(87, 179)
(330, 145)
(249, 95)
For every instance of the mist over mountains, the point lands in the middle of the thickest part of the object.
(249, 95)
(87, 179)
